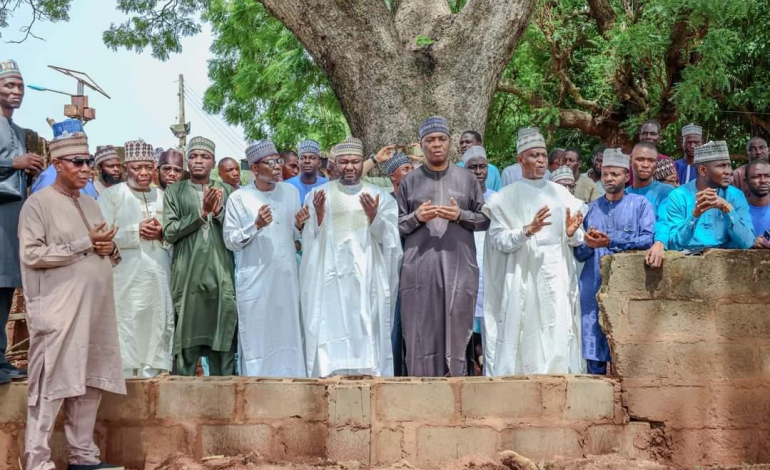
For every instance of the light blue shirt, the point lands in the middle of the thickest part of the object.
(657, 194)
(303, 188)
(713, 229)
(48, 176)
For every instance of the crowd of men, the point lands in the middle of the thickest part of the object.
(143, 267)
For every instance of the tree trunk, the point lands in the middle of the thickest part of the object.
(385, 82)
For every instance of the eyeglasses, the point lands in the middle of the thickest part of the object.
(272, 163)
(79, 162)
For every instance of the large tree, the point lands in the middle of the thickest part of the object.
(390, 64)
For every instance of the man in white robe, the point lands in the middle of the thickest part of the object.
(531, 299)
(349, 272)
(143, 304)
(262, 221)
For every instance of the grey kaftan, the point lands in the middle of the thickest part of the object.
(439, 275)
(11, 145)
(73, 333)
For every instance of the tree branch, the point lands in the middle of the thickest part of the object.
(601, 11)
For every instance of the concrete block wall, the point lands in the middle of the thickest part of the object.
(691, 345)
(373, 421)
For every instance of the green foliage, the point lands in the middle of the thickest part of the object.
(423, 41)
(158, 25)
(36, 10)
(263, 79)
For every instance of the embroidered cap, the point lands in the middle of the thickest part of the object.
(712, 152)
(529, 138)
(139, 151)
(69, 145)
(309, 146)
(259, 150)
(9, 69)
(692, 129)
(664, 169)
(349, 146)
(200, 143)
(563, 173)
(104, 153)
(394, 162)
(434, 124)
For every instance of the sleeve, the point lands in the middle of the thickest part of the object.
(681, 222)
(584, 252)
(507, 176)
(44, 179)
(661, 224)
(311, 228)
(227, 191)
(740, 228)
(128, 235)
(296, 208)
(500, 236)
(177, 226)
(407, 220)
(386, 221)
(35, 253)
(472, 218)
(644, 238)
(235, 234)
(577, 205)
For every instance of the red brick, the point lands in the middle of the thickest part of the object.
(641, 360)
(130, 409)
(733, 407)
(387, 447)
(630, 440)
(709, 360)
(714, 446)
(132, 446)
(299, 438)
(349, 444)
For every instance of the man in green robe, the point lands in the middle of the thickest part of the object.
(202, 268)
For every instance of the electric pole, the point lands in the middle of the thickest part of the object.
(181, 129)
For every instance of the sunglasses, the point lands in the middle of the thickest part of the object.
(273, 163)
(79, 162)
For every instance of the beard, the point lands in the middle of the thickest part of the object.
(108, 179)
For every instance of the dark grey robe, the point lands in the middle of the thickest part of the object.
(439, 275)
(12, 144)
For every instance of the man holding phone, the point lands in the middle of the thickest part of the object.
(145, 315)
(202, 267)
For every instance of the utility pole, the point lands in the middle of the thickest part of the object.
(181, 129)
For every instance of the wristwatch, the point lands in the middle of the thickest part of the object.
(373, 158)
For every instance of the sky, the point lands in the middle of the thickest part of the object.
(143, 89)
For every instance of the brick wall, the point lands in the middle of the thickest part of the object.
(377, 422)
(692, 349)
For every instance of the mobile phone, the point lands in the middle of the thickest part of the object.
(767, 235)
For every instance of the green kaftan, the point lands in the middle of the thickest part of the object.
(202, 270)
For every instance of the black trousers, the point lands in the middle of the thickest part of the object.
(6, 301)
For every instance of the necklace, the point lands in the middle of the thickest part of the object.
(75, 198)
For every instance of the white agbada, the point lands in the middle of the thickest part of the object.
(266, 281)
(349, 278)
(532, 308)
(143, 305)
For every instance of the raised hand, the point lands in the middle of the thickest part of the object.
(574, 223)
(301, 217)
(210, 201)
(384, 154)
(101, 239)
(264, 217)
(705, 200)
(538, 222)
(426, 212)
(151, 229)
(370, 205)
(596, 239)
(319, 203)
(450, 212)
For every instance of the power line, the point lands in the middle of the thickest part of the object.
(239, 148)
(216, 117)
(215, 124)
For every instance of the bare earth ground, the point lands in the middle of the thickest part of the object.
(504, 461)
